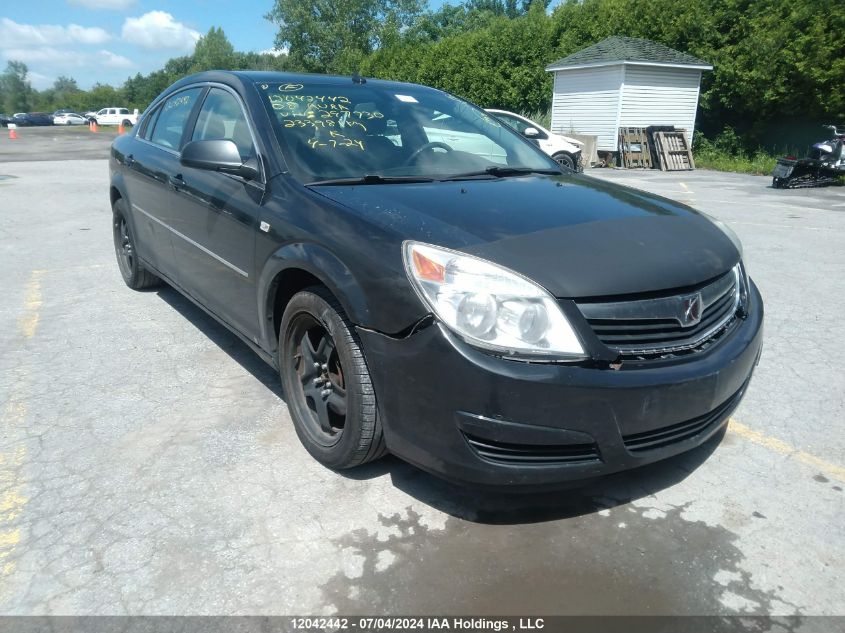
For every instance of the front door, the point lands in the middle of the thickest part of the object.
(215, 216)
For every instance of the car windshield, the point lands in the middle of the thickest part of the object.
(331, 131)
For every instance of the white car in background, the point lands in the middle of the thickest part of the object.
(460, 135)
(116, 116)
(564, 150)
(69, 118)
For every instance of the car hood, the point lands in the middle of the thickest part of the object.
(574, 235)
(570, 140)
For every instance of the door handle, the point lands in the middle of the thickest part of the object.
(176, 181)
(129, 160)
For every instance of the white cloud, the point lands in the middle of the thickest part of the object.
(13, 34)
(113, 60)
(87, 35)
(103, 4)
(275, 52)
(42, 55)
(157, 30)
(62, 60)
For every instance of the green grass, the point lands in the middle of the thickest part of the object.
(760, 163)
(543, 117)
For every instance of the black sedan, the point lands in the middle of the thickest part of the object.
(27, 119)
(470, 307)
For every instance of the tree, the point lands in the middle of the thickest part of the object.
(64, 85)
(499, 65)
(213, 52)
(61, 94)
(16, 89)
(336, 35)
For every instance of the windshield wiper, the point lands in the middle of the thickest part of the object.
(499, 171)
(371, 179)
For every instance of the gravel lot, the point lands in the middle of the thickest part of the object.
(149, 466)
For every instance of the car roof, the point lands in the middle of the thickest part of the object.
(247, 77)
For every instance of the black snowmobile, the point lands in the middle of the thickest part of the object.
(824, 166)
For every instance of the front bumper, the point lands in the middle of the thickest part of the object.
(475, 418)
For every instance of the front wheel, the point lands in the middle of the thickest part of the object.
(326, 382)
(564, 160)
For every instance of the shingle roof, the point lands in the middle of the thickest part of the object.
(627, 49)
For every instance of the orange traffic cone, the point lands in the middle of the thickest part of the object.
(13, 134)
(94, 125)
(120, 128)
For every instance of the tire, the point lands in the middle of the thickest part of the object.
(564, 160)
(322, 366)
(133, 272)
(127, 123)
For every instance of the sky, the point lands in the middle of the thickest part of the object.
(107, 41)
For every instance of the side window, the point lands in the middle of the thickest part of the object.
(148, 124)
(124, 111)
(518, 125)
(172, 118)
(515, 124)
(221, 117)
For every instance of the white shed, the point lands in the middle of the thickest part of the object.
(625, 82)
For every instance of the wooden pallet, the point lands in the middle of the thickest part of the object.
(634, 147)
(673, 151)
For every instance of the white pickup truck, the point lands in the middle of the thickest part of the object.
(116, 116)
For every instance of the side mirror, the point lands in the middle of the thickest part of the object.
(218, 155)
(531, 132)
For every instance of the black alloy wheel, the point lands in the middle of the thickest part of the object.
(327, 383)
(133, 272)
(322, 386)
(564, 160)
(123, 246)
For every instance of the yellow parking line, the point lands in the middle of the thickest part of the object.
(28, 321)
(12, 500)
(827, 468)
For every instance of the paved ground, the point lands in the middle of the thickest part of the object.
(148, 465)
(56, 142)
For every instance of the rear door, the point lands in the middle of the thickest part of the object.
(148, 170)
(216, 216)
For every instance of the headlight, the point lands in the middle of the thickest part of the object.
(490, 306)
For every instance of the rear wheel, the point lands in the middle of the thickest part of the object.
(133, 272)
(564, 160)
(127, 123)
(327, 383)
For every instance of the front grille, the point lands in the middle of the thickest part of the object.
(658, 438)
(654, 326)
(539, 454)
